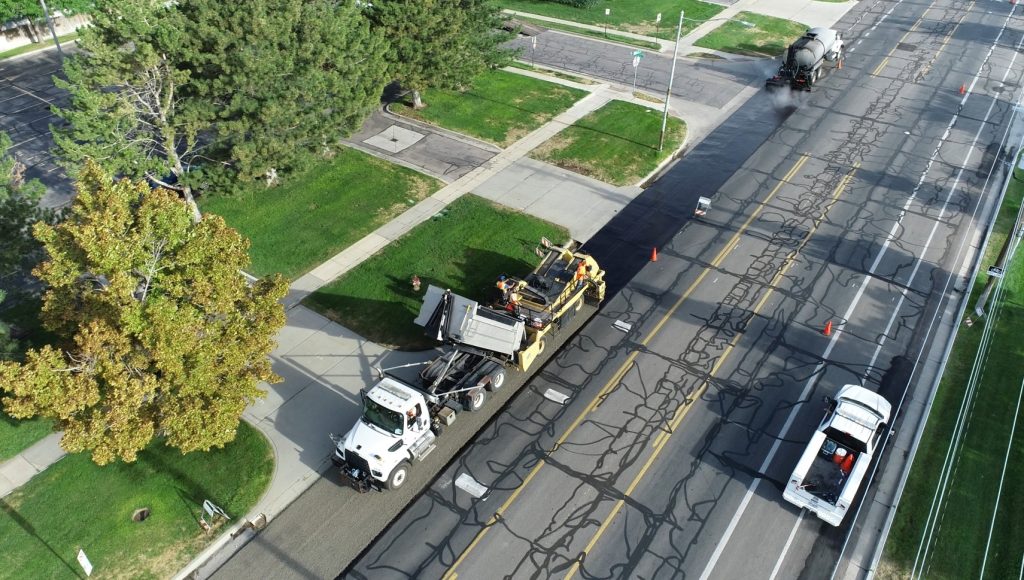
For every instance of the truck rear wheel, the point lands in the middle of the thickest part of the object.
(475, 400)
(398, 476)
(497, 379)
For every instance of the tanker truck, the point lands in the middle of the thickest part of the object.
(804, 59)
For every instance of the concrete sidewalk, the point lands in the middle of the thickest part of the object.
(422, 211)
(16, 471)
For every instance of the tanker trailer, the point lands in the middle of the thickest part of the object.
(804, 59)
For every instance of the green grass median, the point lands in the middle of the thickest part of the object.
(768, 37)
(958, 546)
(637, 16)
(75, 504)
(464, 248)
(617, 143)
(500, 107)
(311, 217)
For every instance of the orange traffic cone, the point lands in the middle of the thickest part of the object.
(654, 254)
(963, 89)
(828, 328)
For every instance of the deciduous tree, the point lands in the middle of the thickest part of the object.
(31, 12)
(163, 334)
(439, 43)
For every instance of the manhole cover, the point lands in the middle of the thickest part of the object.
(140, 515)
(906, 46)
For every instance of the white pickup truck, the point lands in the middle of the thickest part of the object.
(829, 474)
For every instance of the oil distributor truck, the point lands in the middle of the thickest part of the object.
(833, 466)
(402, 418)
(805, 58)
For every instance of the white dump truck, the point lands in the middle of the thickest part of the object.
(804, 59)
(830, 471)
(402, 417)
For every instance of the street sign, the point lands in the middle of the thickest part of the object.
(533, 42)
(213, 509)
(657, 19)
(83, 560)
(995, 272)
(636, 61)
(638, 53)
(607, 11)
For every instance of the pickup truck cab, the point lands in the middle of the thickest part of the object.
(830, 471)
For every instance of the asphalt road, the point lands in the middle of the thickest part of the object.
(669, 458)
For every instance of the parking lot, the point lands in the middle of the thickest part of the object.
(26, 96)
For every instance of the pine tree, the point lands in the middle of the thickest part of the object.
(162, 333)
(439, 43)
(130, 108)
(290, 78)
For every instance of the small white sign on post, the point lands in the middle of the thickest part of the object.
(636, 61)
(83, 560)
(533, 41)
(607, 11)
(657, 19)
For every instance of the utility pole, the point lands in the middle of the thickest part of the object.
(49, 22)
(671, 78)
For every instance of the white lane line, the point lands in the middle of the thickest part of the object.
(33, 95)
(1002, 478)
(789, 541)
(752, 488)
(942, 212)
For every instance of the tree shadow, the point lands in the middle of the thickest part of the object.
(30, 529)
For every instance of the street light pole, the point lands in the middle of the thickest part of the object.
(671, 78)
(49, 22)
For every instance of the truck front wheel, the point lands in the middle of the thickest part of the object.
(398, 476)
(475, 400)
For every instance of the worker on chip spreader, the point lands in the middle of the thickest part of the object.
(504, 286)
(582, 272)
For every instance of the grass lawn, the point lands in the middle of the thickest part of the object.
(769, 37)
(592, 33)
(18, 435)
(46, 43)
(500, 107)
(959, 544)
(617, 143)
(636, 16)
(77, 504)
(465, 248)
(313, 216)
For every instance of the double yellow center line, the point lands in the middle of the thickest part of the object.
(683, 410)
(631, 358)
